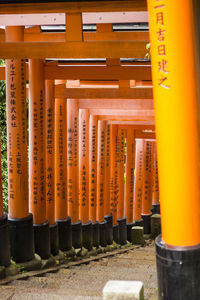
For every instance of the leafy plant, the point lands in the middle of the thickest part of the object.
(148, 48)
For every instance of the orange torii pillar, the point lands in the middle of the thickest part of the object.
(49, 168)
(73, 163)
(114, 189)
(84, 177)
(100, 182)
(4, 234)
(37, 182)
(72, 171)
(20, 220)
(93, 130)
(176, 115)
(121, 218)
(107, 213)
(138, 183)
(147, 187)
(155, 185)
(129, 183)
(61, 210)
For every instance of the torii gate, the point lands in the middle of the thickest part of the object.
(180, 242)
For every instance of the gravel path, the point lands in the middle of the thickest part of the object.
(85, 282)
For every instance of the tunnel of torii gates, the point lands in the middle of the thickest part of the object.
(91, 169)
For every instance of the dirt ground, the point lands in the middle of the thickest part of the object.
(86, 282)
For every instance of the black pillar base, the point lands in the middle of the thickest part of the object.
(122, 231)
(87, 235)
(139, 223)
(155, 209)
(77, 234)
(116, 233)
(21, 238)
(95, 234)
(109, 229)
(129, 226)
(65, 234)
(178, 272)
(102, 234)
(5, 243)
(42, 239)
(54, 241)
(147, 223)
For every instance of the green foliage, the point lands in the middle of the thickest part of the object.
(3, 140)
(148, 48)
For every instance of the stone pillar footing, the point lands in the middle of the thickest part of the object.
(123, 290)
(137, 235)
(155, 226)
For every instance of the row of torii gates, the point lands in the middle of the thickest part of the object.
(91, 170)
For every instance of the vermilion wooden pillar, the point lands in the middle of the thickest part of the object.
(93, 130)
(93, 167)
(107, 211)
(49, 168)
(147, 187)
(100, 182)
(177, 134)
(129, 184)
(120, 146)
(155, 184)
(121, 219)
(73, 170)
(107, 170)
(20, 221)
(138, 183)
(114, 189)
(61, 210)
(37, 185)
(4, 234)
(84, 177)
